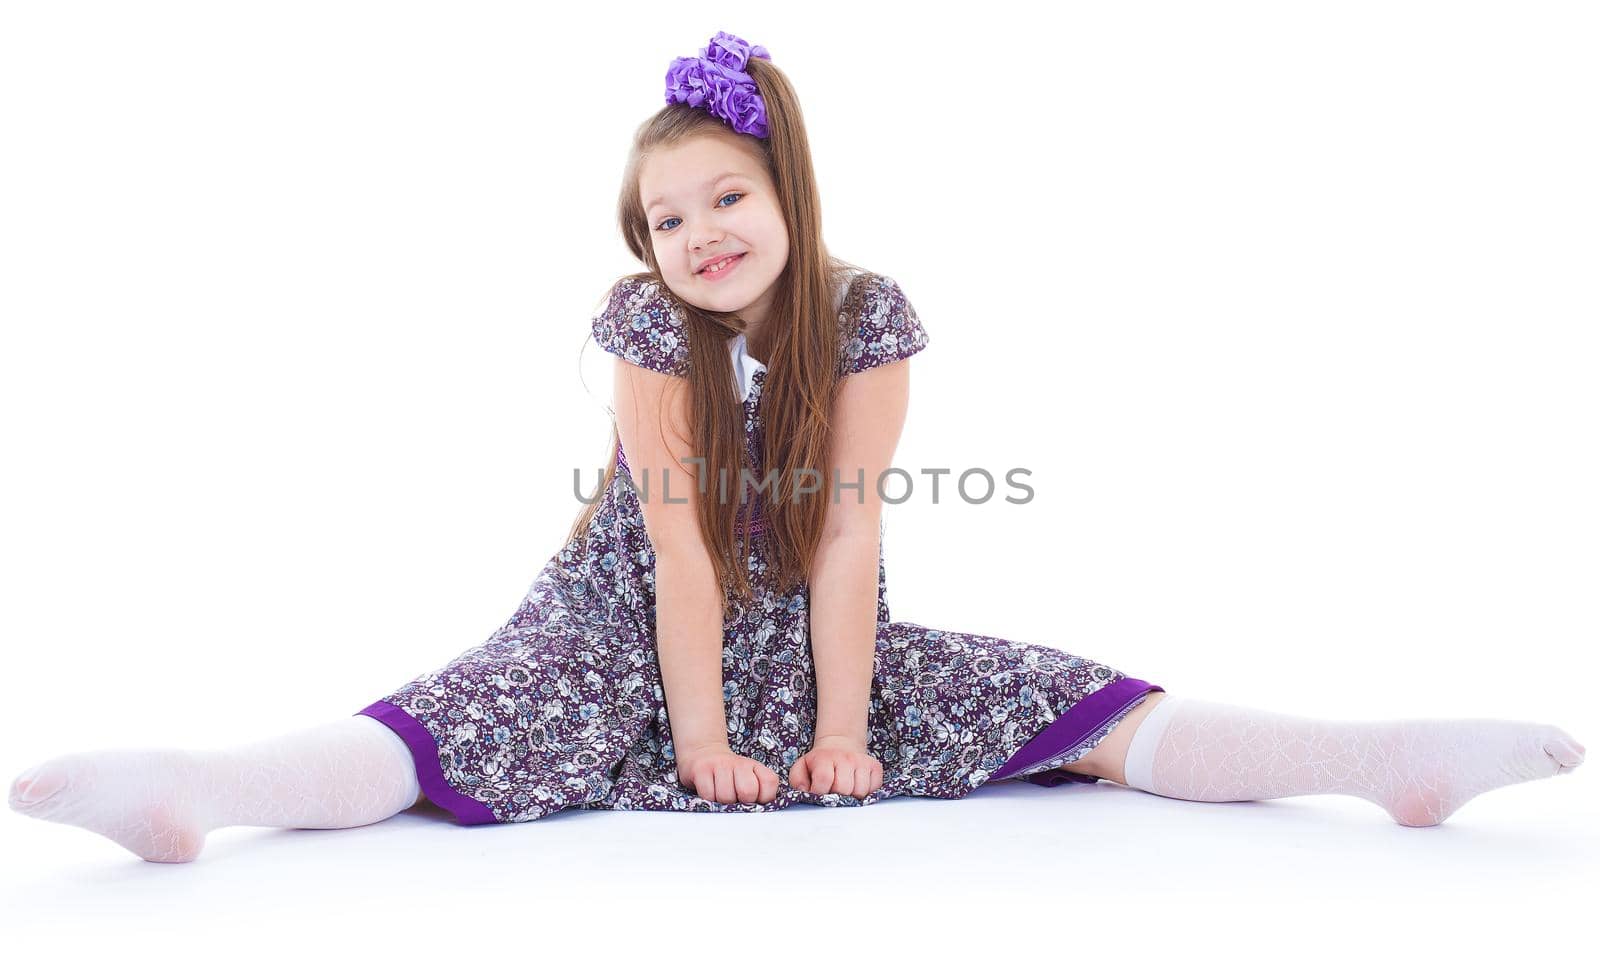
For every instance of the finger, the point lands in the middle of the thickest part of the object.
(745, 784)
(769, 783)
(877, 778)
(724, 780)
(864, 779)
(800, 776)
(844, 778)
(822, 776)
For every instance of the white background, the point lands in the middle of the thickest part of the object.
(1289, 308)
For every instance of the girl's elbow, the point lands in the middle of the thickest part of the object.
(680, 550)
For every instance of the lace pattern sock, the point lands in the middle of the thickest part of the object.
(159, 804)
(1418, 770)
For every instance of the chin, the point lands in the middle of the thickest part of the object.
(729, 298)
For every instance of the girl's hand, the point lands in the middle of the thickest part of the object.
(717, 774)
(837, 764)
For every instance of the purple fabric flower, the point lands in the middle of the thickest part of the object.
(732, 52)
(716, 81)
(747, 110)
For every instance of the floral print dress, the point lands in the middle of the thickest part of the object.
(563, 706)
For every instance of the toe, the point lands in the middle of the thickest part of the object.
(1565, 750)
(36, 785)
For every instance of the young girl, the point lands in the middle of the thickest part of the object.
(731, 571)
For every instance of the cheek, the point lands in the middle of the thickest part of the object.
(664, 255)
(777, 241)
(773, 228)
(758, 223)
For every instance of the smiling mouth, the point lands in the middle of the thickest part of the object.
(725, 263)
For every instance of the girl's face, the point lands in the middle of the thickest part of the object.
(705, 199)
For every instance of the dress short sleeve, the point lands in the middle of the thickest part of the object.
(643, 324)
(879, 326)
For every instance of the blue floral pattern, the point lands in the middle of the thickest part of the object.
(886, 328)
(563, 706)
(644, 326)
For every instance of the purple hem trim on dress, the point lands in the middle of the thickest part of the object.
(1075, 724)
(425, 752)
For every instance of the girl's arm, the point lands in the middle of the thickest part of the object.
(869, 412)
(652, 411)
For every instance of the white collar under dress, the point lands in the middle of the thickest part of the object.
(744, 367)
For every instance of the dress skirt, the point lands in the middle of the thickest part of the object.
(554, 712)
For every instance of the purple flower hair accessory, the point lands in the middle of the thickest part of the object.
(716, 81)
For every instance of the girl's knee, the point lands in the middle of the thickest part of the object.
(1108, 757)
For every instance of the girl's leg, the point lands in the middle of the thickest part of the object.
(1419, 770)
(1106, 758)
(160, 804)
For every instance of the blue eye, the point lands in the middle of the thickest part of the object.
(719, 204)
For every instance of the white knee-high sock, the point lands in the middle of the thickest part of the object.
(159, 804)
(1419, 770)
(342, 774)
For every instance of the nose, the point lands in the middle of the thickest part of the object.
(702, 236)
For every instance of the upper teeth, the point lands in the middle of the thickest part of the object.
(719, 265)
